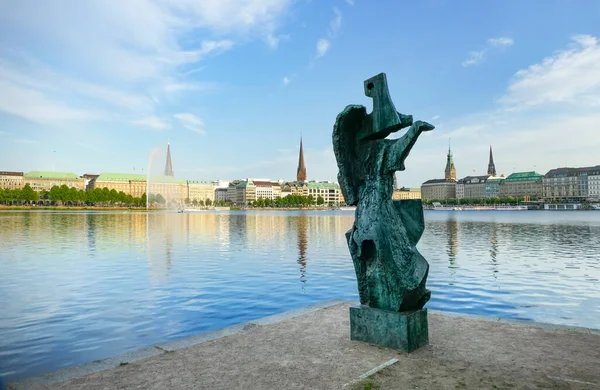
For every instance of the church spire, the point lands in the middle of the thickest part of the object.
(169, 165)
(301, 174)
(450, 169)
(491, 166)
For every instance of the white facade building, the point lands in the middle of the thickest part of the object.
(460, 189)
(594, 185)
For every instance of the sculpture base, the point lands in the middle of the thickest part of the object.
(406, 331)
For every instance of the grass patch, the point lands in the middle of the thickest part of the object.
(370, 386)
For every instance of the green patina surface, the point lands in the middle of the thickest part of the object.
(331, 186)
(523, 176)
(50, 175)
(390, 271)
(125, 177)
(405, 331)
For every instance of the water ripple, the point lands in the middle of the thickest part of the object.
(81, 286)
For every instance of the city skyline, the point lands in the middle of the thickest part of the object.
(97, 85)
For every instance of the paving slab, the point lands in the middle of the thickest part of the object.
(310, 348)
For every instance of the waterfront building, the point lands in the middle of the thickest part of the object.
(522, 184)
(276, 189)
(40, 181)
(301, 172)
(491, 166)
(406, 193)
(330, 192)
(245, 193)
(460, 189)
(11, 180)
(221, 194)
(298, 188)
(221, 183)
(264, 189)
(88, 178)
(171, 189)
(441, 188)
(200, 190)
(232, 191)
(473, 187)
(438, 189)
(133, 184)
(571, 184)
(594, 184)
(286, 190)
(492, 186)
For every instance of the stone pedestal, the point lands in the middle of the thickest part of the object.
(405, 331)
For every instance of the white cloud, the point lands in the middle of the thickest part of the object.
(33, 105)
(568, 76)
(121, 54)
(544, 102)
(501, 42)
(191, 122)
(152, 122)
(322, 47)
(234, 16)
(273, 40)
(477, 57)
(435, 117)
(350, 2)
(474, 58)
(286, 81)
(2, 132)
(335, 24)
(175, 86)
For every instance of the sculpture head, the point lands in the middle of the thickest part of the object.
(384, 117)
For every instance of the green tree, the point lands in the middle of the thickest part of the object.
(28, 194)
(208, 202)
(320, 200)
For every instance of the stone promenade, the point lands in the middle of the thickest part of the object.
(310, 348)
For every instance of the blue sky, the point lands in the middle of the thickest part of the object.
(94, 86)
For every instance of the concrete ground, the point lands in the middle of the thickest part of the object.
(311, 349)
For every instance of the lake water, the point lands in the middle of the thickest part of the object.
(81, 286)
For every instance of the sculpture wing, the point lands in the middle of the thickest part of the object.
(411, 214)
(348, 125)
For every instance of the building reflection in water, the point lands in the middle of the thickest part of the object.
(452, 250)
(91, 234)
(494, 248)
(302, 221)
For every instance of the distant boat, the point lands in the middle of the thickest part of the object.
(596, 206)
(438, 207)
(193, 210)
(348, 208)
(510, 208)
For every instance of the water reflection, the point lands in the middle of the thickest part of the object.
(81, 286)
(494, 248)
(452, 231)
(302, 245)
